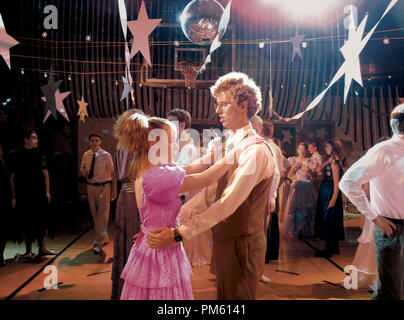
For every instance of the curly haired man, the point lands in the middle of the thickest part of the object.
(235, 206)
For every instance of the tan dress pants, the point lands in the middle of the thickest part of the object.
(239, 265)
(99, 198)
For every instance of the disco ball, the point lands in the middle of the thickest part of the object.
(200, 20)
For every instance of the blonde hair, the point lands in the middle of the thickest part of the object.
(132, 130)
(241, 88)
(397, 119)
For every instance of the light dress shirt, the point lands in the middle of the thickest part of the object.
(254, 164)
(188, 153)
(103, 168)
(277, 153)
(383, 167)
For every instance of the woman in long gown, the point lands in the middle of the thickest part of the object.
(329, 219)
(365, 257)
(299, 215)
(162, 274)
(127, 220)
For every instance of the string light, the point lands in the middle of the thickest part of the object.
(45, 75)
(88, 37)
(92, 80)
(176, 43)
(304, 44)
(69, 77)
(261, 45)
(386, 40)
(140, 85)
(122, 43)
(44, 34)
(116, 82)
(22, 71)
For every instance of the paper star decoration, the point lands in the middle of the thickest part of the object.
(296, 43)
(50, 94)
(59, 97)
(321, 133)
(6, 42)
(141, 29)
(287, 137)
(310, 135)
(127, 85)
(351, 51)
(82, 109)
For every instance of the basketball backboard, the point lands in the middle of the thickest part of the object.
(174, 57)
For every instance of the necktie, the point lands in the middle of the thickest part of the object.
(91, 172)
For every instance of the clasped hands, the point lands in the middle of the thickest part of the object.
(159, 238)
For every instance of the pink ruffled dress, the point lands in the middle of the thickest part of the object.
(158, 274)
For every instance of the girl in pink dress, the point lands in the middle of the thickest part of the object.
(158, 274)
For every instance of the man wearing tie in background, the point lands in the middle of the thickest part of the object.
(98, 168)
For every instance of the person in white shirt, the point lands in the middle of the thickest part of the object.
(235, 206)
(97, 166)
(383, 167)
(188, 152)
(199, 248)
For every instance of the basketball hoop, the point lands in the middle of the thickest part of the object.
(189, 71)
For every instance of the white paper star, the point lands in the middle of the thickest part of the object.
(6, 42)
(287, 137)
(127, 86)
(351, 50)
(296, 43)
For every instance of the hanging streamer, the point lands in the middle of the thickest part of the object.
(351, 50)
(123, 16)
(224, 22)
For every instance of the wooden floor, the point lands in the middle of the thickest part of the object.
(82, 275)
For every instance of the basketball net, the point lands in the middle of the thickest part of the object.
(189, 71)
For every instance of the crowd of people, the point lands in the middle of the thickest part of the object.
(229, 206)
